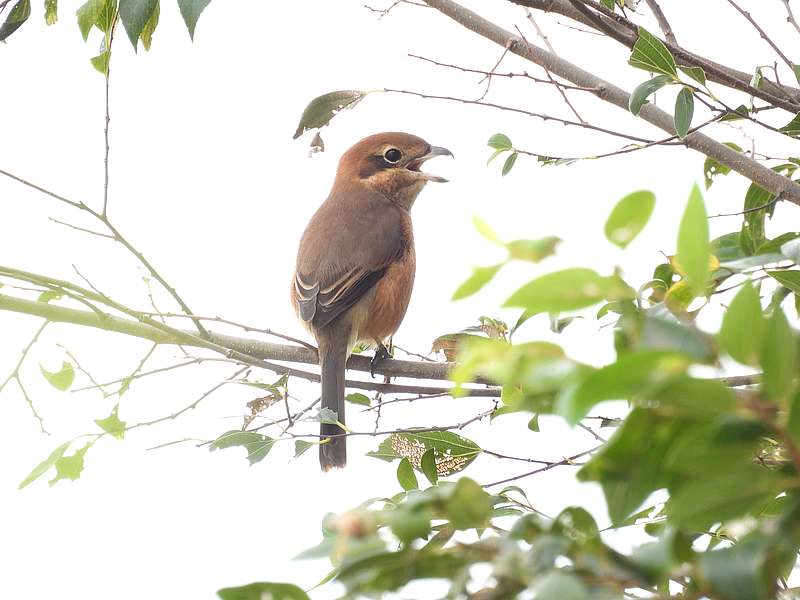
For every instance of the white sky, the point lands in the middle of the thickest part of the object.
(207, 182)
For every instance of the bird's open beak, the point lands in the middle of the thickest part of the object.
(415, 164)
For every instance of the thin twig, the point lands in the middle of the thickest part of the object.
(790, 18)
(663, 23)
(82, 229)
(108, 118)
(14, 375)
(567, 461)
(761, 32)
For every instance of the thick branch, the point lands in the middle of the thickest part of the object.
(253, 348)
(759, 174)
(624, 31)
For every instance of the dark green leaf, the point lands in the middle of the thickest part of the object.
(629, 217)
(533, 424)
(45, 465)
(684, 111)
(743, 326)
(263, 591)
(788, 279)
(453, 452)
(757, 206)
(738, 572)
(16, 17)
(300, 446)
(609, 4)
(427, 465)
(61, 380)
(149, 29)
(693, 246)
(134, 15)
(509, 164)
(479, 278)
(111, 424)
(406, 476)
(644, 90)
(257, 445)
(500, 141)
(322, 109)
(792, 128)
(650, 53)
(695, 73)
(191, 10)
(570, 289)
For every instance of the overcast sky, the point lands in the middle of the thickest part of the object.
(206, 180)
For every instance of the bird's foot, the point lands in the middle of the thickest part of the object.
(381, 353)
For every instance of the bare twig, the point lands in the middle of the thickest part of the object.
(15, 376)
(663, 23)
(762, 33)
(108, 118)
(567, 461)
(790, 16)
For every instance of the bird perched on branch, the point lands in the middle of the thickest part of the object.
(356, 262)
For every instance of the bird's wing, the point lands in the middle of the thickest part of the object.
(343, 254)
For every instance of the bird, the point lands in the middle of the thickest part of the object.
(356, 263)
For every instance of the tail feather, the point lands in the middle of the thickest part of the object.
(333, 452)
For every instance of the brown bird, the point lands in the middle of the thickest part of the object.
(356, 262)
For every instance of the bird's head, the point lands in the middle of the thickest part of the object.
(390, 163)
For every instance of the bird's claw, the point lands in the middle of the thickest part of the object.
(381, 353)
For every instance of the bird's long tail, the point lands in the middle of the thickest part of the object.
(333, 452)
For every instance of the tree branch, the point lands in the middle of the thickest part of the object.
(253, 349)
(759, 174)
(663, 23)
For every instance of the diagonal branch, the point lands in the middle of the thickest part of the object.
(759, 174)
(663, 23)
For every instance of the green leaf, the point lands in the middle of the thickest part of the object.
(405, 475)
(753, 235)
(322, 109)
(738, 572)
(570, 289)
(631, 375)
(409, 525)
(300, 446)
(453, 452)
(509, 164)
(693, 246)
(788, 279)
(779, 359)
(609, 4)
(427, 465)
(16, 17)
(135, 14)
(485, 230)
(100, 62)
(61, 380)
(695, 73)
(49, 295)
(500, 141)
(644, 90)
(792, 128)
(743, 326)
(149, 29)
(69, 467)
(650, 53)
(50, 11)
(738, 113)
(111, 424)
(45, 465)
(718, 497)
(191, 11)
(629, 217)
(263, 591)
(712, 168)
(533, 250)
(360, 399)
(684, 111)
(469, 505)
(88, 14)
(796, 69)
(558, 585)
(479, 278)
(257, 445)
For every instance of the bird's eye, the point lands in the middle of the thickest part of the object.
(392, 155)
